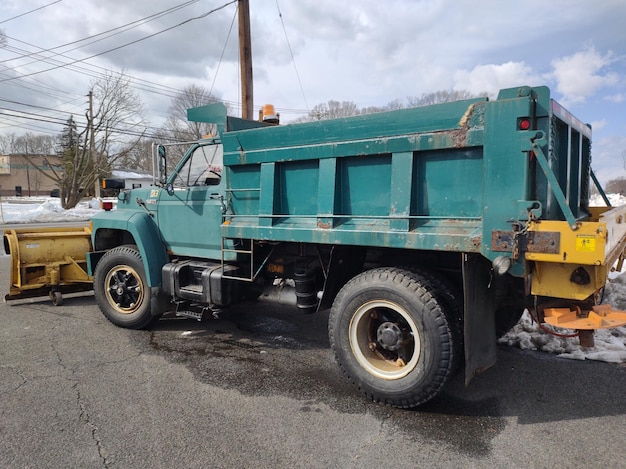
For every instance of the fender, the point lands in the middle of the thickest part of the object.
(145, 235)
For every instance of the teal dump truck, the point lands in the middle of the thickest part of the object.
(426, 231)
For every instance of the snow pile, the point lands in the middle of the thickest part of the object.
(610, 344)
(45, 210)
(615, 199)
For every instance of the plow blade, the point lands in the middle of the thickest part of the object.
(48, 261)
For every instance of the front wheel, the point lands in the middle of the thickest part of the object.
(391, 336)
(121, 290)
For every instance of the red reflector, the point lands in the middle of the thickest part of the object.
(524, 124)
(107, 205)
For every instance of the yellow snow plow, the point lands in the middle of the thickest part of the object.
(48, 261)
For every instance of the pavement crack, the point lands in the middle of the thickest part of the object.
(83, 413)
(86, 419)
(23, 378)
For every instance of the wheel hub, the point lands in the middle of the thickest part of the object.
(124, 291)
(389, 336)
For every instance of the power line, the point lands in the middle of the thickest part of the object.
(31, 105)
(50, 120)
(31, 127)
(31, 11)
(123, 28)
(139, 84)
(293, 60)
(124, 45)
(32, 116)
(223, 51)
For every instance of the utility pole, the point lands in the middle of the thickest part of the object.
(245, 60)
(92, 145)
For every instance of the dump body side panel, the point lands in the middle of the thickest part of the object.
(387, 180)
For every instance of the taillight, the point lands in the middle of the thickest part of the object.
(524, 124)
(107, 205)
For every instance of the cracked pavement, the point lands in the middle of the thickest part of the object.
(259, 387)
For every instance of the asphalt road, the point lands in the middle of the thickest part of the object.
(258, 387)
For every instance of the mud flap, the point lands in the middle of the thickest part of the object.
(480, 307)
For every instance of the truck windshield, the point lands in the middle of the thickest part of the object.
(202, 168)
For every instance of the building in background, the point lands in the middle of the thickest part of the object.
(20, 177)
(132, 180)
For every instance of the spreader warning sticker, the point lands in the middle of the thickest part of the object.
(154, 193)
(585, 243)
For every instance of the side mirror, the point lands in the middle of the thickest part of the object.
(170, 188)
(162, 164)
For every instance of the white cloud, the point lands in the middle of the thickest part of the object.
(493, 77)
(597, 125)
(581, 75)
(369, 52)
(609, 157)
(616, 98)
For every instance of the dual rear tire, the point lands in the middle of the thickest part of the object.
(393, 334)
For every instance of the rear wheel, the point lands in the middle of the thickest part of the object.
(120, 288)
(391, 336)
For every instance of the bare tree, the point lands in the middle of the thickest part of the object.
(330, 110)
(139, 158)
(177, 127)
(390, 106)
(115, 126)
(34, 144)
(7, 143)
(333, 109)
(438, 97)
(617, 186)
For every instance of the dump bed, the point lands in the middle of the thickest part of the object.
(466, 176)
(360, 181)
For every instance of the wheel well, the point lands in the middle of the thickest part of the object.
(348, 261)
(108, 238)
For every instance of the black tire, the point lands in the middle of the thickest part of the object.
(450, 298)
(391, 337)
(56, 297)
(121, 289)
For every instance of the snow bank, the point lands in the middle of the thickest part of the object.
(615, 199)
(42, 210)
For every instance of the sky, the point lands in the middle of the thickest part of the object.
(308, 52)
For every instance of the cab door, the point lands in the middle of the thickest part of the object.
(190, 212)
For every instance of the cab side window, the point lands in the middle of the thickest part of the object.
(204, 167)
